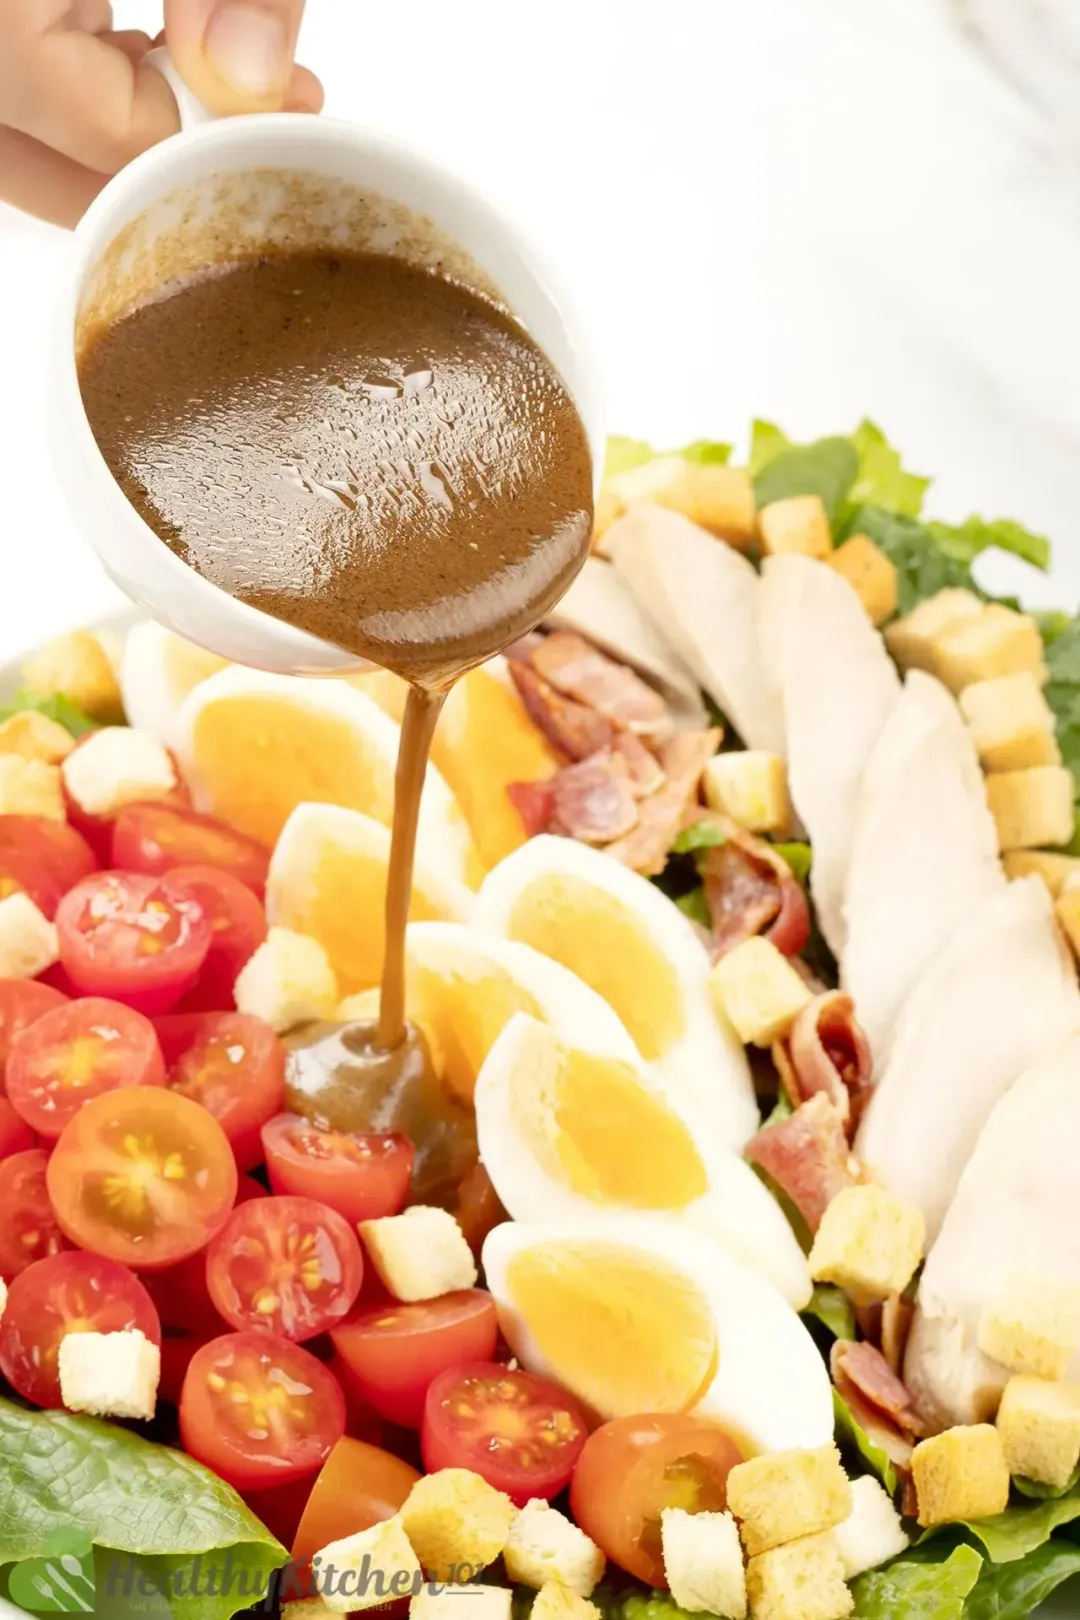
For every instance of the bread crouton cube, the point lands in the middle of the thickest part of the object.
(758, 991)
(109, 1374)
(1031, 807)
(554, 1601)
(750, 786)
(1067, 911)
(997, 641)
(419, 1254)
(544, 1545)
(455, 1519)
(960, 1474)
(29, 787)
(1055, 870)
(465, 1602)
(783, 1495)
(802, 1580)
(115, 766)
(912, 640)
(35, 736)
(1039, 1424)
(1011, 723)
(872, 1532)
(799, 524)
(871, 575)
(372, 1567)
(718, 498)
(79, 666)
(1032, 1325)
(703, 1562)
(287, 981)
(869, 1243)
(28, 941)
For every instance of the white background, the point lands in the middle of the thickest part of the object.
(803, 209)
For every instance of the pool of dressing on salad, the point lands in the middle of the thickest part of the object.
(378, 455)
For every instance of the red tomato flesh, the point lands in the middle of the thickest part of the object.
(42, 858)
(75, 1052)
(287, 1266)
(520, 1432)
(359, 1485)
(394, 1352)
(176, 1353)
(67, 1293)
(140, 940)
(15, 1134)
(143, 1176)
(362, 1177)
(29, 1229)
(231, 1063)
(237, 929)
(259, 1410)
(22, 1002)
(159, 837)
(183, 1299)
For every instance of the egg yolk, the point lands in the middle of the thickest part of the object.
(463, 1007)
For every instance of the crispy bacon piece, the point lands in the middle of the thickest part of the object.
(807, 1156)
(683, 758)
(858, 1365)
(594, 801)
(567, 662)
(575, 730)
(643, 768)
(827, 1051)
(750, 889)
(534, 803)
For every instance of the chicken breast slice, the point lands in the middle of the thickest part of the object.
(838, 688)
(923, 854)
(1014, 1210)
(998, 998)
(703, 598)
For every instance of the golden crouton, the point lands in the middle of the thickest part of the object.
(997, 641)
(453, 1518)
(871, 575)
(466, 1602)
(783, 1495)
(1055, 870)
(544, 1545)
(799, 524)
(554, 1601)
(1032, 1325)
(912, 640)
(750, 786)
(758, 991)
(77, 665)
(1039, 1425)
(1011, 723)
(960, 1474)
(1067, 910)
(869, 1243)
(1031, 807)
(365, 1570)
(803, 1580)
(720, 499)
(703, 1562)
(35, 736)
(28, 787)
(420, 1253)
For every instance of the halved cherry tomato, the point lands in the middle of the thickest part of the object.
(43, 858)
(362, 1177)
(76, 1052)
(359, 1485)
(158, 837)
(15, 1134)
(520, 1432)
(394, 1351)
(67, 1293)
(231, 1063)
(143, 1176)
(183, 1299)
(28, 1226)
(97, 830)
(259, 1410)
(22, 1002)
(633, 1468)
(284, 1265)
(140, 940)
(237, 929)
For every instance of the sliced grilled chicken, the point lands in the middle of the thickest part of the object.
(923, 854)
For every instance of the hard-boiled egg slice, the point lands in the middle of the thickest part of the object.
(625, 939)
(571, 1136)
(157, 671)
(636, 1316)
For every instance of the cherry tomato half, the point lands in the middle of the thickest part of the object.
(42, 858)
(28, 1226)
(183, 1299)
(231, 1063)
(15, 1134)
(632, 1468)
(358, 1486)
(520, 1432)
(159, 837)
(259, 1410)
(362, 1177)
(143, 1176)
(140, 940)
(97, 829)
(22, 1002)
(237, 929)
(76, 1052)
(284, 1265)
(67, 1293)
(393, 1352)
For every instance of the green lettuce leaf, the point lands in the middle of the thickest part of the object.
(915, 1588)
(707, 453)
(831, 1307)
(923, 566)
(1045, 1493)
(1020, 1529)
(881, 479)
(54, 707)
(701, 835)
(966, 540)
(623, 455)
(1062, 643)
(766, 442)
(798, 857)
(695, 906)
(828, 468)
(1013, 1591)
(852, 1437)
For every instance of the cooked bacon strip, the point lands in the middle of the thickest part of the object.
(858, 1364)
(750, 889)
(896, 1445)
(896, 1315)
(644, 769)
(594, 801)
(575, 730)
(571, 665)
(829, 1052)
(683, 758)
(534, 803)
(807, 1156)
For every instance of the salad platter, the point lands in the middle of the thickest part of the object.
(725, 1263)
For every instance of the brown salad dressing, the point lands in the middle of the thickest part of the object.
(380, 456)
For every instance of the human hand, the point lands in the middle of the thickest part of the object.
(77, 101)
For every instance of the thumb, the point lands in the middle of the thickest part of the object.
(235, 55)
